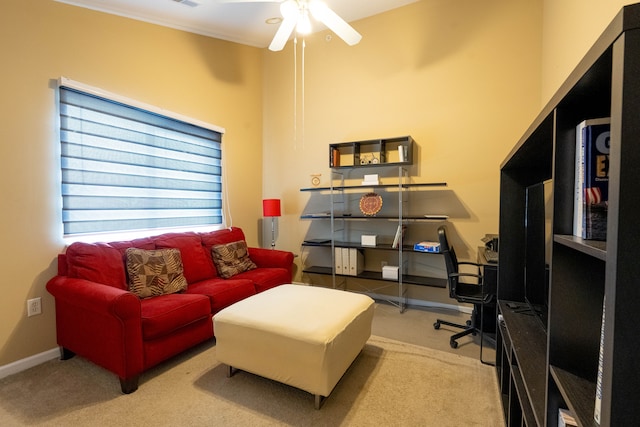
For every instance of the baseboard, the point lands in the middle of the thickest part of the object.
(423, 303)
(29, 362)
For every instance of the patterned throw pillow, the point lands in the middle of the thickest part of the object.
(155, 272)
(232, 258)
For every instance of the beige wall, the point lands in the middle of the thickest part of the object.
(41, 40)
(570, 28)
(462, 78)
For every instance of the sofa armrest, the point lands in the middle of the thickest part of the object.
(95, 297)
(271, 258)
(99, 322)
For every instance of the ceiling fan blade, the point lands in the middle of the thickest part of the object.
(283, 33)
(249, 1)
(328, 17)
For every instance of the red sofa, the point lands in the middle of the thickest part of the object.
(98, 318)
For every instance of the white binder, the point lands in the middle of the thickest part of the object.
(345, 260)
(356, 262)
(338, 260)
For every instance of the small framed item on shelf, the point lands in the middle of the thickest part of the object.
(370, 204)
(315, 179)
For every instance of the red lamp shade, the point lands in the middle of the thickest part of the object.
(271, 207)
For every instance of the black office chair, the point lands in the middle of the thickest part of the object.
(465, 288)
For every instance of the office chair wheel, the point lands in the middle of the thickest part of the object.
(453, 344)
(436, 325)
(468, 322)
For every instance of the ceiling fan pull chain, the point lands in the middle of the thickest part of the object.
(304, 45)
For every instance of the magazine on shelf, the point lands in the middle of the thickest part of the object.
(591, 179)
(399, 236)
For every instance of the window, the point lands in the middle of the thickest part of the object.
(126, 167)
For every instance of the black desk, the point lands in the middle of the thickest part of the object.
(490, 274)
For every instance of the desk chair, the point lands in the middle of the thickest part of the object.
(465, 288)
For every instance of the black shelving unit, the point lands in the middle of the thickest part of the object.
(544, 368)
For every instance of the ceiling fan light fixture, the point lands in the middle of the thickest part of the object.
(304, 23)
(289, 9)
(295, 16)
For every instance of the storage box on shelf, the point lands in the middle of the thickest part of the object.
(546, 366)
(341, 212)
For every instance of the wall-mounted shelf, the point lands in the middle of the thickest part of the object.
(372, 153)
(380, 186)
(385, 217)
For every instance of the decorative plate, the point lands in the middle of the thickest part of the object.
(370, 204)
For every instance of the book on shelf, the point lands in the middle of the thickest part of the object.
(566, 418)
(427, 246)
(334, 158)
(591, 179)
(598, 405)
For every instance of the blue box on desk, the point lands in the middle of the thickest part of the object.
(427, 247)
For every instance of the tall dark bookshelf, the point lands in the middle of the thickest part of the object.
(544, 368)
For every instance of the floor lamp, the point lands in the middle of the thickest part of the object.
(271, 207)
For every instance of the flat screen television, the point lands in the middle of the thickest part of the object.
(539, 244)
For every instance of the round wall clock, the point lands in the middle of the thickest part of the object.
(370, 204)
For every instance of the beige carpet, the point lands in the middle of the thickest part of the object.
(390, 383)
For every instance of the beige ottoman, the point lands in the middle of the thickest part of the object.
(302, 336)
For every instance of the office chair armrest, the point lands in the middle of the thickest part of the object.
(472, 264)
(485, 295)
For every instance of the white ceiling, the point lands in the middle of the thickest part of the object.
(238, 22)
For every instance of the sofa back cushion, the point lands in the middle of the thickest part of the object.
(97, 262)
(197, 264)
(221, 237)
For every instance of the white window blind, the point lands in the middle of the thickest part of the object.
(125, 168)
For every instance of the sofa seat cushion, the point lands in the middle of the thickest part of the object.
(223, 292)
(266, 278)
(166, 314)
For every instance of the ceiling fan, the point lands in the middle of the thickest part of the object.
(295, 14)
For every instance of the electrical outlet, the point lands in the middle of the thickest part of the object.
(34, 306)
